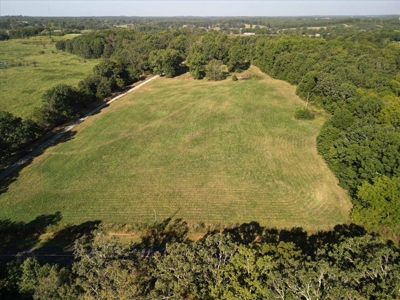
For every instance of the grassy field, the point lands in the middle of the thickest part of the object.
(23, 83)
(213, 152)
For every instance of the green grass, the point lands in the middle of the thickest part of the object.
(217, 152)
(22, 86)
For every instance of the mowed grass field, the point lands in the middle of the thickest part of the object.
(215, 152)
(22, 84)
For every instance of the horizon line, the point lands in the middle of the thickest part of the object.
(211, 16)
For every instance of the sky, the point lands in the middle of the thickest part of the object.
(198, 8)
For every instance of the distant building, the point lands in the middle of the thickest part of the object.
(249, 33)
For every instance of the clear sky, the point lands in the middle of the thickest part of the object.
(197, 8)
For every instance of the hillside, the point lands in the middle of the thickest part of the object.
(213, 152)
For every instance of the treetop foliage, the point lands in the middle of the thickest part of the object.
(233, 264)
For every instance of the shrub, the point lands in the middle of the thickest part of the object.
(234, 78)
(214, 70)
(303, 113)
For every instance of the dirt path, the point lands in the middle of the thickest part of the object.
(47, 143)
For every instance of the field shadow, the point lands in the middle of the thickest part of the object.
(11, 174)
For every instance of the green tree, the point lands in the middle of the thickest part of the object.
(60, 45)
(237, 59)
(104, 88)
(167, 61)
(214, 70)
(14, 132)
(181, 43)
(196, 64)
(60, 104)
(115, 73)
(88, 88)
(390, 114)
(43, 281)
(194, 270)
(378, 204)
(106, 269)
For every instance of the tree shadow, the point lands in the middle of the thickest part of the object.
(19, 240)
(162, 233)
(183, 69)
(242, 67)
(65, 238)
(58, 138)
(97, 109)
(11, 174)
(247, 233)
(60, 247)
(19, 237)
(9, 179)
(334, 236)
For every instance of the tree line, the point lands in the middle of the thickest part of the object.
(247, 262)
(358, 84)
(328, 28)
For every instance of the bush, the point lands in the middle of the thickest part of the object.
(303, 113)
(214, 70)
(60, 45)
(234, 78)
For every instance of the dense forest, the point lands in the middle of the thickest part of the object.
(352, 72)
(247, 262)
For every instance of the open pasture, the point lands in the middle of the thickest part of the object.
(33, 66)
(215, 152)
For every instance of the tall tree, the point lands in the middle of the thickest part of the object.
(60, 104)
(196, 64)
(167, 61)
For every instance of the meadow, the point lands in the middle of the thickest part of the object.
(33, 66)
(215, 152)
